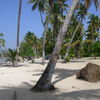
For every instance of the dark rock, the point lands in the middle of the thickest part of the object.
(89, 73)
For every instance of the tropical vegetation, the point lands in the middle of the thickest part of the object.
(65, 34)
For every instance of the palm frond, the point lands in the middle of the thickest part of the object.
(34, 6)
(89, 2)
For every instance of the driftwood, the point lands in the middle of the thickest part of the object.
(90, 73)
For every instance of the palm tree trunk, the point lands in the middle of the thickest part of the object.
(44, 38)
(18, 30)
(1, 52)
(42, 19)
(66, 55)
(43, 48)
(35, 52)
(44, 83)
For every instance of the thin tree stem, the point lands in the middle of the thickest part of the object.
(18, 30)
(69, 46)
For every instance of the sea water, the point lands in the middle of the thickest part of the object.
(3, 59)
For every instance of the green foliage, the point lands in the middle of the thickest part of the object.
(26, 50)
(67, 59)
(2, 41)
(72, 55)
(30, 38)
(81, 11)
(11, 54)
(55, 12)
(93, 27)
(90, 48)
(87, 48)
(49, 48)
(38, 4)
(31, 46)
(96, 49)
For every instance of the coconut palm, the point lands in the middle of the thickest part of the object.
(31, 39)
(92, 33)
(44, 83)
(56, 16)
(2, 43)
(93, 27)
(12, 56)
(80, 15)
(53, 15)
(40, 4)
(18, 30)
(26, 51)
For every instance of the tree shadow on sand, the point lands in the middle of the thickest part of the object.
(24, 93)
(9, 65)
(62, 74)
(77, 61)
(93, 94)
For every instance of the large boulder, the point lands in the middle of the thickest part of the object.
(89, 73)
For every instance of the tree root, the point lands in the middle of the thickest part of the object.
(42, 89)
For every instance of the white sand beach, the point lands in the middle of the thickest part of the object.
(17, 81)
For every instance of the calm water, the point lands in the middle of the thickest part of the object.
(3, 60)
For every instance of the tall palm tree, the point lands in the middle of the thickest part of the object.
(92, 33)
(44, 83)
(18, 30)
(53, 10)
(2, 43)
(93, 27)
(80, 15)
(56, 16)
(40, 4)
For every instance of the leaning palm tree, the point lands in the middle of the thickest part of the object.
(44, 83)
(55, 13)
(18, 30)
(80, 15)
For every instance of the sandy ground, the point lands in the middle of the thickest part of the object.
(15, 83)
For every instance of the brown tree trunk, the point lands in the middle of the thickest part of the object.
(44, 83)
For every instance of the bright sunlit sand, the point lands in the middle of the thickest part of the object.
(18, 81)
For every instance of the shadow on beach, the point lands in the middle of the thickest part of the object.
(24, 93)
(61, 74)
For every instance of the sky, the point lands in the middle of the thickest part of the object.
(30, 21)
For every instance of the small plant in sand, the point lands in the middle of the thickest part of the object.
(12, 56)
(67, 59)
